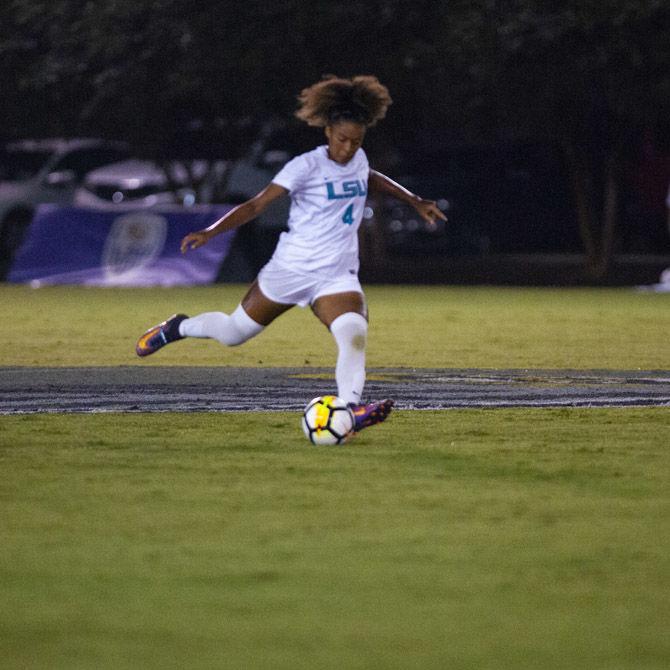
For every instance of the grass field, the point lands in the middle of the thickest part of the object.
(461, 539)
(410, 327)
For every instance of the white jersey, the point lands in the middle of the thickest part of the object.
(327, 203)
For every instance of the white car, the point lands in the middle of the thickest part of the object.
(33, 172)
(140, 183)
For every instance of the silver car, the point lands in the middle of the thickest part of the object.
(33, 172)
(136, 183)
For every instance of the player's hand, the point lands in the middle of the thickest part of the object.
(429, 212)
(194, 240)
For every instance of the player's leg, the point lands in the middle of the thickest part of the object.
(254, 312)
(345, 315)
(249, 318)
(260, 308)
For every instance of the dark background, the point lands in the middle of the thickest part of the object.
(545, 125)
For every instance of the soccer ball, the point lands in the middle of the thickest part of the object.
(327, 420)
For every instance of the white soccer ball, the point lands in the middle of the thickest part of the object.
(665, 276)
(327, 420)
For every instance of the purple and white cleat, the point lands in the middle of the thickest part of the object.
(368, 414)
(157, 337)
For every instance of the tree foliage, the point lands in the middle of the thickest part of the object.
(588, 74)
(478, 68)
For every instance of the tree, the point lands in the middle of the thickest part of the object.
(592, 75)
(587, 74)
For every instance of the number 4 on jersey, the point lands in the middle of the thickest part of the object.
(348, 216)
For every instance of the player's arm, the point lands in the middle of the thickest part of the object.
(427, 209)
(235, 217)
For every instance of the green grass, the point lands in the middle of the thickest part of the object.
(461, 539)
(410, 326)
(498, 539)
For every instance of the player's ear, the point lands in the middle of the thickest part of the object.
(329, 131)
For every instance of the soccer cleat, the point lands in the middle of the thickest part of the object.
(370, 413)
(160, 335)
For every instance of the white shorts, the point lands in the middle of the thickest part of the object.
(289, 287)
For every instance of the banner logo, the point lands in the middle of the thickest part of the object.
(135, 240)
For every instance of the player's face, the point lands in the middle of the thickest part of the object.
(344, 139)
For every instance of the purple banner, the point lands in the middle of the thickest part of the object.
(94, 247)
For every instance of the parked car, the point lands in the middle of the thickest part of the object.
(500, 199)
(33, 172)
(275, 144)
(140, 183)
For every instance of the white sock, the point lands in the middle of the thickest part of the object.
(230, 330)
(350, 331)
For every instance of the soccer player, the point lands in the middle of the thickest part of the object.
(316, 262)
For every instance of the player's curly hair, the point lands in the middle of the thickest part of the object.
(362, 99)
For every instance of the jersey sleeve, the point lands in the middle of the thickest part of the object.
(292, 175)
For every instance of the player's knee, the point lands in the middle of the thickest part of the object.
(359, 342)
(351, 330)
(229, 334)
(359, 333)
(240, 328)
